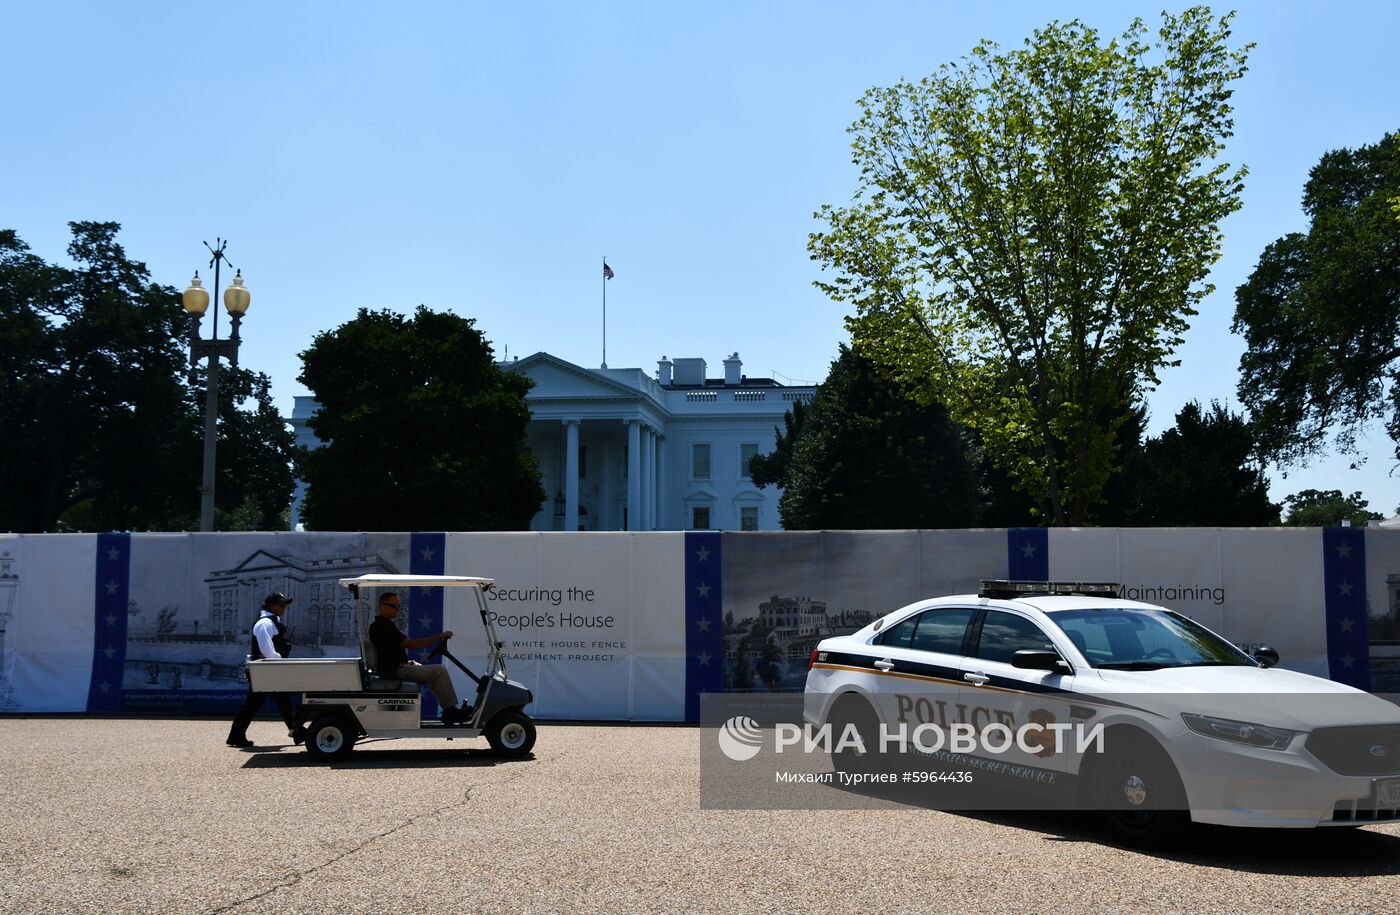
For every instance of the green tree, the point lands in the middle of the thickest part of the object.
(1032, 229)
(1201, 473)
(771, 469)
(1324, 507)
(105, 431)
(867, 455)
(1320, 314)
(422, 430)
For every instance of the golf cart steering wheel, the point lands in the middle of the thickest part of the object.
(438, 649)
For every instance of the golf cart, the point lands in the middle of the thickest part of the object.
(345, 699)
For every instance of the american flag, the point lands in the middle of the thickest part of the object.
(607, 271)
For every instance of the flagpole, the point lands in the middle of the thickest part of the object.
(605, 311)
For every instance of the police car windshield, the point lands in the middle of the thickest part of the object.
(1125, 638)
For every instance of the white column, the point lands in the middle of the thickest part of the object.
(660, 516)
(634, 474)
(647, 441)
(571, 474)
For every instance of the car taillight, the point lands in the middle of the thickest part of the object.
(811, 662)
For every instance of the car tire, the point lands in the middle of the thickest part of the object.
(1139, 793)
(511, 734)
(330, 738)
(852, 710)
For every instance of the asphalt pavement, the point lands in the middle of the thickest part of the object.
(155, 816)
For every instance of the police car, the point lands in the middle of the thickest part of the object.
(1145, 714)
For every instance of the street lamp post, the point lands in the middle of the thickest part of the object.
(196, 301)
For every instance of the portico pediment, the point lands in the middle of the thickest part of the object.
(556, 379)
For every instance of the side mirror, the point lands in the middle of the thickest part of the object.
(1031, 659)
(1266, 656)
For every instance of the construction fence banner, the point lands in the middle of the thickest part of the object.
(637, 626)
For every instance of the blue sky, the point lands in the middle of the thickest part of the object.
(482, 158)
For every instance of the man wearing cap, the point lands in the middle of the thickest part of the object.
(269, 641)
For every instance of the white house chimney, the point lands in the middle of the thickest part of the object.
(732, 365)
(663, 370)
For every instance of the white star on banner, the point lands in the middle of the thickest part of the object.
(702, 554)
(112, 554)
(104, 686)
(424, 622)
(1346, 623)
(1348, 661)
(703, 590)
(703, 658)
(109, 653)
(111, 587)
(111, 620)
(1344, 551)
(1028, 550)
(425, 591)
(1345, 588)
(703, 624)
(427, 553)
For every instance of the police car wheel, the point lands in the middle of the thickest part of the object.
(330, 737)
(851, 711)
(1141, 794)
(511, 733)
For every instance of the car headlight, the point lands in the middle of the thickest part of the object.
(1254, 735)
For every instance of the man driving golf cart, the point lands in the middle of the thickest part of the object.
(390, 646)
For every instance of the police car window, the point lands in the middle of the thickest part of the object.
(1004, 634)
(942, 630)
(898, 635)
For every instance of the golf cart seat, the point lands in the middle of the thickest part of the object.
(373, 681)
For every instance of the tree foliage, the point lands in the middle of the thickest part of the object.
(104, 431)
(1325, 507)
(1201, 472)
(1032, 228)
(1320, 314)
(865, 454)
(421, 429)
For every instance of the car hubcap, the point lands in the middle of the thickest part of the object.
(513, 735)
(329, 740)
(1135, 790)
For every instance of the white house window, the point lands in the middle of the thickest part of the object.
(747, 452)
(700, 462)
(748, 518)
(700, 516)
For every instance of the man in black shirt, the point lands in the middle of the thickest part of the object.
(392, 657)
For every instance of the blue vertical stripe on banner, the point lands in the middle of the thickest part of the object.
(704, 618)
(427, 556)
(113, 590)
(1344, 581)
(1028, 553)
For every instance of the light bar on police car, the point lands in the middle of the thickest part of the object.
(1005, 588)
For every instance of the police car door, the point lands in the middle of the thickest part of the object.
(919, 665)
(996, 691)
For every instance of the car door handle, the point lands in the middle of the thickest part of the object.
(976, 678)
(885, 664)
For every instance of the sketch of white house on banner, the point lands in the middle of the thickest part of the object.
(206, 647)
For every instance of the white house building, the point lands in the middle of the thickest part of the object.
(623, 450)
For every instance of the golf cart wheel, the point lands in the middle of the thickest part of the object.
(329, 738)
(511, 733)
(1141, 795)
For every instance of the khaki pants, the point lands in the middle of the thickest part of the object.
(435, 675)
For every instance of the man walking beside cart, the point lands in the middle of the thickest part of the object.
(269, 641)
(390, 648)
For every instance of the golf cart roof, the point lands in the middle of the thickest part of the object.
(415, 581)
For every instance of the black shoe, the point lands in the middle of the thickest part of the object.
(449, 718)
(298, 736)
(241, 743)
